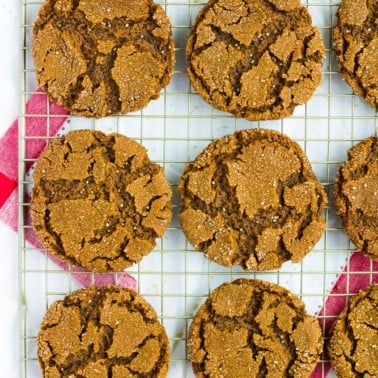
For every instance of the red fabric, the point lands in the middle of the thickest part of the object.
(38, 128)
(7, 186)
(359, 273)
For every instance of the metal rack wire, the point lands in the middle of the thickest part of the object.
(174, 278)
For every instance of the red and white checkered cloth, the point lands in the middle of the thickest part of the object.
(359, 272)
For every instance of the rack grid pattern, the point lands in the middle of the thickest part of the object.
(175, 278)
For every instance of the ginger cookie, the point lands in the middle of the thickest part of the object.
(252, 328)
(105, 332)
(98, 201)
(252, 199)
(356, 196)
(255, 59)
(356, 46)
(102, 57)
(353, 347)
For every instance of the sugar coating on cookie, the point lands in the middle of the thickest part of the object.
(255, 59)
(356, 46)
(353, 346)
(252, 199)
(356, 196)
(98, 202)
(102, 57)
(105, 332)
(252, 328)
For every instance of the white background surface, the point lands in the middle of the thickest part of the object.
(9, 89)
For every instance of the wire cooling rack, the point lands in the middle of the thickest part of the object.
(174, 278)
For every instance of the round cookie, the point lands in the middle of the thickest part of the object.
(102, 57)
(98, 201)
(356, 196)
(255, 59)
(353, 346)
(252, 199)
(252, 328)
(356, 46)
(105, 332)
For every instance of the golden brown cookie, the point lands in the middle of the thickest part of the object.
(100, 333)
(98, 201)
(252, 328)
(256, 59)
(356, 196)
(252, 199)
(102, 57)
(353, 347)
(356, 46)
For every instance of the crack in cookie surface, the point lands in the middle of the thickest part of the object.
(356, 47)
(252, 199)
(256, 60)
(98, 201)
(356, 196)
(353, 346)
(106, 332)
(251, 328)
(104, 58)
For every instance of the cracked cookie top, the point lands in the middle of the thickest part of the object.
(105, 332)
(353, 347)
(252, 199)
(252, 328)
(356, 46)
(356, 196)
(98, 201)
(102, 57)
(255, 59)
